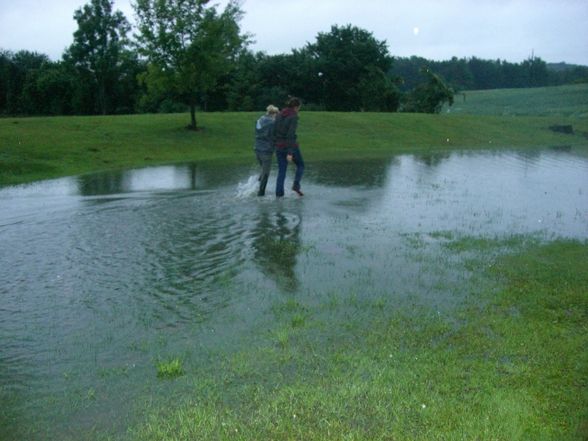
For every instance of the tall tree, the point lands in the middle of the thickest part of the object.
(344, 57)
(99, 48)
(189, 46)
(245, 83)
(536, 70)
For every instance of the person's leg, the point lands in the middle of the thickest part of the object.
(266, 164)
(281, 156)
(260, 162)
(299, 161)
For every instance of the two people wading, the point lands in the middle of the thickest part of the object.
(276, 130)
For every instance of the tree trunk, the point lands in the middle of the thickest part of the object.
(101, 95)
(193, 125)
(102, 99)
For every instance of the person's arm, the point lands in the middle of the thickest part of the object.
(268, 132)
(273, 134)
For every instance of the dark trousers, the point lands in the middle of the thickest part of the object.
(265, 161)
(282, 156)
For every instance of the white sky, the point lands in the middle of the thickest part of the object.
(555, 30)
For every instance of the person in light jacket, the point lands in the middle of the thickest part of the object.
(264, 145)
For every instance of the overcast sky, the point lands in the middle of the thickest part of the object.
(512, 30)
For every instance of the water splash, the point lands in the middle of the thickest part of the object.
(248, 188)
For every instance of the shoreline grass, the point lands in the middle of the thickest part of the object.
(41, 148)
(511, 368)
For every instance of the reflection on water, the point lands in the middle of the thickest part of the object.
(277, 244)
(494, 193)
(365, 174)
(101, 275)
(177, 177)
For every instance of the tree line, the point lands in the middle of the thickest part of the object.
(186, 55)
(477, 74)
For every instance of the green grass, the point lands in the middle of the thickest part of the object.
(568, 101)
(171, 368)
(39, 148)
(509, 365)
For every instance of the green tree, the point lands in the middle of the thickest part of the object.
(261, 79)
(47, 90)
(536, 70)
(244, 84)
(407, 71)
(280, 77)
(18, 71)
(456, 72)
(189, 47)
(487, 74)
(377, 91)
(99, 49)
(5, 71)
(429, 96)
(345, 58)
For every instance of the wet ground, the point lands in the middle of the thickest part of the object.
(101, 276)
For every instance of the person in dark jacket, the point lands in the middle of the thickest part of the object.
(287, 148)
(264, 145)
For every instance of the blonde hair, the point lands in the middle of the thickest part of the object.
(272, 110)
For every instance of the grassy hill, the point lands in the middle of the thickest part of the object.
(568, 101)
(39, 148)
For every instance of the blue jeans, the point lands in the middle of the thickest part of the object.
(281, 155)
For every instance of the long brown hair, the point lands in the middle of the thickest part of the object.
(293, 102)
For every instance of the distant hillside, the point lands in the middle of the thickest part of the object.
(568, 101)
(478, 74)
(563, 67)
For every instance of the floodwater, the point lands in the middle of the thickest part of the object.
(101, 276)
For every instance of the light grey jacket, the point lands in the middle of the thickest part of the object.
(264, 135)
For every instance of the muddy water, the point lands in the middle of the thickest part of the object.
(103, 275)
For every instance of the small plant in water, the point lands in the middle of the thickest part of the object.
(282, 337)
(171, 368)
(298, 320)
(379, 303)
(91, 394)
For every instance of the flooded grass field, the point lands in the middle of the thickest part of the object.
(120, 290)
